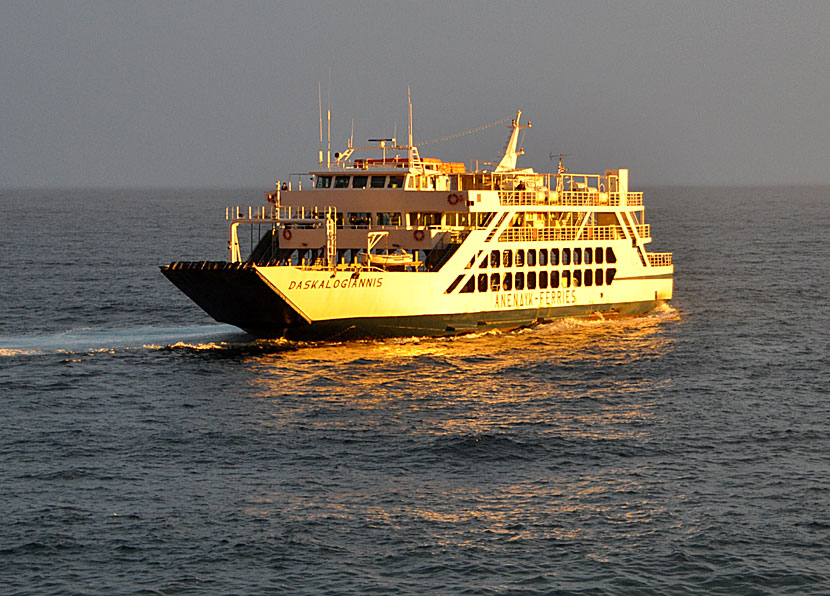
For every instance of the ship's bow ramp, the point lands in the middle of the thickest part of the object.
(236, 294)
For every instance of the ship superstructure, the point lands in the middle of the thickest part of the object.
(399, 245)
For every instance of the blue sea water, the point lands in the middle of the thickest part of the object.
(146, 449)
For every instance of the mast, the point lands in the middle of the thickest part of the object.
(414, 157)
(508, 162)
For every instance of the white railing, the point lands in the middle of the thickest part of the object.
(659, 259)
(570, 198)
(562, 233)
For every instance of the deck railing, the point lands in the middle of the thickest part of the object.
(660, 259)
(562, 233)
(570, 198)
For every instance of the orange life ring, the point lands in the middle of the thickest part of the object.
(286, 233)
(418, 235)
(453, 199)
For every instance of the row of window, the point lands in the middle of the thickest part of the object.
(544, 279)
(416, 219)
(567, 256)
(359, 181)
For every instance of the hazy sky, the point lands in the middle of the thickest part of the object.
(145, 93)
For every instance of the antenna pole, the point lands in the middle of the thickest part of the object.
(328, 115)
(409, 97)
(320, 107)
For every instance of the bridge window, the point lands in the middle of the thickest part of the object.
(359, 181)
(388, 218)
(323, 182)
(482, 282)
(360, 219)
(424, 219)
(395, 182)
(341, 181)
(378, 181)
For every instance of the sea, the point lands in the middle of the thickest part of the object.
(146, 449)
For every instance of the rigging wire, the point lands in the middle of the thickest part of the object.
(466, 132)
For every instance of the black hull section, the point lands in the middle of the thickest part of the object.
(234, 293)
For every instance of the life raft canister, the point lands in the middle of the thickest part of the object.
(418, 235)
(286, 233)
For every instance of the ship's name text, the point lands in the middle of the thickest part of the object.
(333, 284)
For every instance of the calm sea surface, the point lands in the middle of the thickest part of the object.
(145, 449)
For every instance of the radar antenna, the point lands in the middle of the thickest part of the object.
(562, 169)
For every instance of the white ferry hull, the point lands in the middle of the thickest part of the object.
(300, 304)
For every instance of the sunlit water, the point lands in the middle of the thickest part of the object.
(146, 449)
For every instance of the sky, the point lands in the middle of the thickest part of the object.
(225, 94)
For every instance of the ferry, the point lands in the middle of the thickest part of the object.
(382, 242)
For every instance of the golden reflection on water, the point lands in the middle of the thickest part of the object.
(546, 388)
